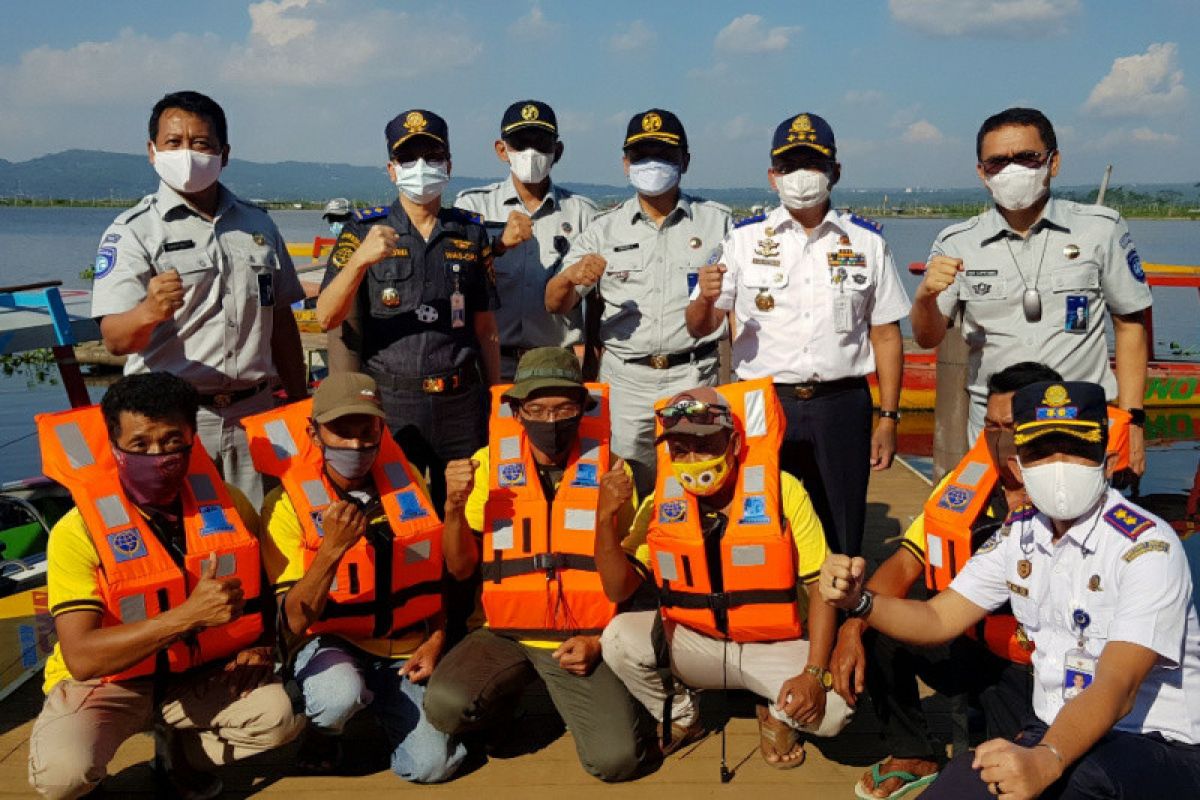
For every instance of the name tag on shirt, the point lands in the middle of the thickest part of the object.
(185, 244)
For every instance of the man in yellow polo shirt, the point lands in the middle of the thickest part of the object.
(789, 672)
(208, 715)
(341, 670)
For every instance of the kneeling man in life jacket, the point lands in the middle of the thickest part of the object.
(731, 541)
(524, 512)
(153, 583)
(354, 548)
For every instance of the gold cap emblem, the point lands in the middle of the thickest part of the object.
(529, 112)
(414, 122)
(1055, 396)
(651, 122)
(802, 130)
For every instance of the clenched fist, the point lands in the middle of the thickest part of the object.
(380, 243)
(940, 273)
(712, 276)
(616, 487)
(344, 524)
(460, 481)
(842, 579)
(164, 295)
(518, 229)
(587, 270)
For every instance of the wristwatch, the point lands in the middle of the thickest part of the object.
(823, 676)
(1137, 416)
(866, 602)
(889, 415)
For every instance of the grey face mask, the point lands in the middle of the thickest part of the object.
(350, 462)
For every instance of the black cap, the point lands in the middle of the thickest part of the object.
(804, 130)
(1069, 408)
(528, 114)
(416, 122)
(656, 125)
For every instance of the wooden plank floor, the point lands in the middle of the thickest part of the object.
(831, 769)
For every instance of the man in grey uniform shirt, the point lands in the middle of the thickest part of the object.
(532, 223)
(196, 282)
(642, 260)
(1036, 278)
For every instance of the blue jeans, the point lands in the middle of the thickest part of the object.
(338, 681)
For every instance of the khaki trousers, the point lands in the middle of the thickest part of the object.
(82, 724)
(696, 660)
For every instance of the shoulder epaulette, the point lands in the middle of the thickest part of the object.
(869, 224)
(467, 216)
(476, 190)
(1020, 514)
(1091, 209)
(759, 217)
(587, 201)
(703, 201)
(368, 214)
(1127, 520)
(142, 206)
(957, 228)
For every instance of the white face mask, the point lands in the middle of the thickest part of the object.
(653, 176)
(1065, 491)
(422, 181)
(529, 165)
(187, 171)
(1016, 188)
(802, 188)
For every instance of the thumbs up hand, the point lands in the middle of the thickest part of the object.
(214, 601)
(616, 487)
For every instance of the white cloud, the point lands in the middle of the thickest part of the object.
(863, 97)
(749, 34)
(1009, 18)
(1147, 136)
(534, 25)
(1122, 138)
(922, 132)
(1146, 84)
(272, 21)
(636, 36)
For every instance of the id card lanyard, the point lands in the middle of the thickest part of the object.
(1079, 666)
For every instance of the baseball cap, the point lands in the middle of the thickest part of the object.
(415, 122)
(346, 393)
(1069, 408)
(528, 114)
(656, 125)
(546, 368)
(685, 424)
(804, 130)
(337, 207)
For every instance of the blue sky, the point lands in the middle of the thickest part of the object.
(905, 83)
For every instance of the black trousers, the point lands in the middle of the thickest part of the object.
(827, 446)
(1124, 766)
(964, 668)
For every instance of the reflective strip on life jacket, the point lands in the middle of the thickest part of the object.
(758, 554)
(538, 565)
(138, 578)
(409, 571)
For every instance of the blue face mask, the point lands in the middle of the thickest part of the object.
(653, 176)
(335, 228)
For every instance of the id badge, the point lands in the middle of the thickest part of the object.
(458, 310)
(693, 278)
(842, 315)
(1079, 668)
(1077, 314)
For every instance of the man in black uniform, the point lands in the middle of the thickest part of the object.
(414, 286)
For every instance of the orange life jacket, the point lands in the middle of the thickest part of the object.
(538, 555)
(757, 602)
(138, 578)
(1004, 637)
(377, 592)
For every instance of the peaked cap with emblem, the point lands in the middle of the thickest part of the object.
(415, 122)
(1070, 408)
(804, 130)
(528, 114)
(656, 125)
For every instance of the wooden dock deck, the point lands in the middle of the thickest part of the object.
(831, 770)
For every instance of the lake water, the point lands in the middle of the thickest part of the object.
(43, 243)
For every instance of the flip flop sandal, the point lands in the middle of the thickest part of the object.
(777, 738)
(681, 737)
(910, 783)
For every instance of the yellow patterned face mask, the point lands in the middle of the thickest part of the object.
(702, 477)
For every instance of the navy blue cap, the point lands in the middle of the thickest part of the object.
(1070, 408)
(528, 114)
(416, 122)
(804, 130)
(656, 125)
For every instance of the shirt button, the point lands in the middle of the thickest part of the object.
(229, 354)
(805, 350)
(807, 281)
(806, 315)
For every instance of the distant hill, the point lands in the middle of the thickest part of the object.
(97, 175)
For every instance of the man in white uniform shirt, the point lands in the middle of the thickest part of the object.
(1103, 591)
(815, 302)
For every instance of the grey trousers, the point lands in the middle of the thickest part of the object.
(481, 679)
(225, 440)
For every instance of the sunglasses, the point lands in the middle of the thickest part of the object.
(695, 410)
(1033, 159)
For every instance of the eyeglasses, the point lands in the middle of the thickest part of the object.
(695, 410)
(1033, 159)
(539, 413)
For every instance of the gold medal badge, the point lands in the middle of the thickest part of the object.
(764, 301)
(389, 297)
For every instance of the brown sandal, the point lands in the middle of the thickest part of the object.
(680, 737)
(778, 739)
